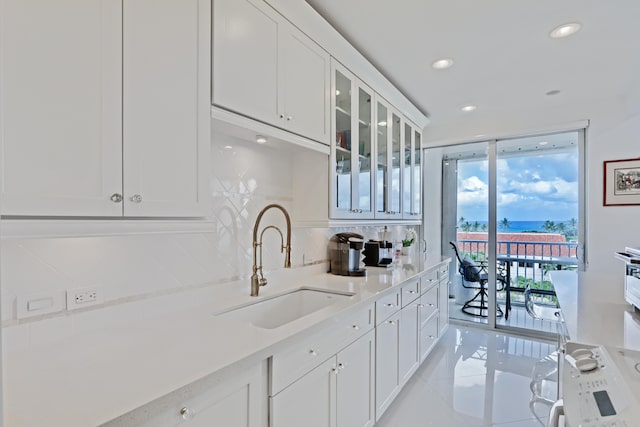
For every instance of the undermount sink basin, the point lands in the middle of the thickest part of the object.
(281, 309)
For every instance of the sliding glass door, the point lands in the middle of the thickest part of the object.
(513, 210)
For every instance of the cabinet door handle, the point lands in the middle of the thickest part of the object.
(185, 413)
(334, 370)
(289, 118)
(356, 327)
(282, 116)
(411, 292)
(421, 305)
(136, 198)
(391, 322)
(313, 352)
(341, 366)
(390, 305)
(116, 197)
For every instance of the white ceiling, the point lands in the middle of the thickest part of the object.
(505, 61)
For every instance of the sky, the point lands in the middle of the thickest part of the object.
(530, 188)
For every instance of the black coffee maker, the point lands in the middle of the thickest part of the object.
(378, 253)
(345, 254)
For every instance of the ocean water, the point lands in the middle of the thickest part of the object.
(518, 226)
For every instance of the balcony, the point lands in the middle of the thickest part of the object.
(525, 262)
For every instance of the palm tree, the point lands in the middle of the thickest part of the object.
(505, 224)
(549, 226)
(483, 227)
(466, 226)
(476, 225)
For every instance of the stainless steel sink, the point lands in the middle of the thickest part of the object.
(281, 309)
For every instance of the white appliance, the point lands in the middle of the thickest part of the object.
(631, 257)
(600, 387)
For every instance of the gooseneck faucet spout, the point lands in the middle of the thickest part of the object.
(257, 281)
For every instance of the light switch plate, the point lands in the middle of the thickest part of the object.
(38, 304)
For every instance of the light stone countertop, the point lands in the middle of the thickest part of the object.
(106, 362)
(592, 319)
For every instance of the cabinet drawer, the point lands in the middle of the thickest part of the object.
(409, 292)
(302, 356)
(428, 336)
(386, 306)
(443, 272)
(428, 304)
(428, 280)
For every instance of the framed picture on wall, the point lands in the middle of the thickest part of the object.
(622, 182)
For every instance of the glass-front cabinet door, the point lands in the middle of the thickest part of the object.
(351, 147)
(389, 163)
(416, 209)
(407, 171)
(412, 173)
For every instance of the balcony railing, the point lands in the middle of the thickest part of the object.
(528, 262)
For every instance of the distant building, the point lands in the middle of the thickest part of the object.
(531, 244)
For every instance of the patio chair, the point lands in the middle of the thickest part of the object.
(475, 276)
(544, 378)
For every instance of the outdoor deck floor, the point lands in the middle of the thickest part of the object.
(518, 317)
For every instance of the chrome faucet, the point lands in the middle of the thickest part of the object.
(256, 281)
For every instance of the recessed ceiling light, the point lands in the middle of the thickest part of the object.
(553, 92)
(261, 139)
(543, 143)
(468, 108)
(228, 147)
(565, 30)
(442, 64)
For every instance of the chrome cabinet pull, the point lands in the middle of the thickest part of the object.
(185, 413)
(116, 197)
(356, 327)
(136, 198)
(313, 352)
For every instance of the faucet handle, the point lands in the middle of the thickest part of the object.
(263, 281)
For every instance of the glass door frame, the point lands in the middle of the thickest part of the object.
(448, 185)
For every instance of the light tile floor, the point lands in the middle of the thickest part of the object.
(474, 378)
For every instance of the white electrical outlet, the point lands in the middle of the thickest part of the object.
(83, 297)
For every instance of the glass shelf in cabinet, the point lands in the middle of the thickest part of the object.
(343, 111)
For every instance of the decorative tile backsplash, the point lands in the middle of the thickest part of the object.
(245, 178)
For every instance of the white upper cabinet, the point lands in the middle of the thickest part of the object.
(245, 58)
(60, 106)
(267, 69)
(121, 91)
(166, 116)
(352, 147)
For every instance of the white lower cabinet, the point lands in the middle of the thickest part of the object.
(408, 351)
(356, 383)
(338, 392)
(387, 373)
(235, 398)
(443, 304)
(428, 337)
